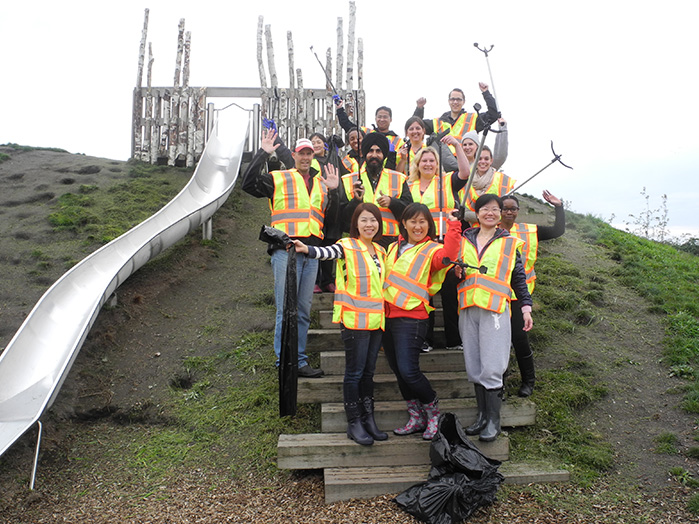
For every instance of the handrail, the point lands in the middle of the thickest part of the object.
(37, 360)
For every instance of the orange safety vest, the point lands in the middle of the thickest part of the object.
(527, 233)
(409, 281)
(359, 294)
(390, 183)
(500, 186)
(294, 211)
(431, 199)
(492, 290)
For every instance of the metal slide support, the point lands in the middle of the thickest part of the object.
(210, 119)
(207, 229)
(36, 455)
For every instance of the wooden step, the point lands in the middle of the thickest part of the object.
(335, 450)
(453, 384)
(361, 483)
(333, 362)
(392, 414)
(329, 339)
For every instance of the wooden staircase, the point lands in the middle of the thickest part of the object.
(354, 471)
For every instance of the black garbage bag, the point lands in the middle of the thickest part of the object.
(289, 354)
(461, 480)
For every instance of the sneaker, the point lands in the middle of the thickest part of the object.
(458, 347)
(426, 347)
(307, 371)
(330, 288)
(317, 289)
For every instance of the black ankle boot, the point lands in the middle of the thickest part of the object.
(355, 428)
(368, 420)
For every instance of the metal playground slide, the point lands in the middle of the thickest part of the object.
(37, 360)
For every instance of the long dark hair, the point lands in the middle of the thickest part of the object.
(413, 210)
(354, 222)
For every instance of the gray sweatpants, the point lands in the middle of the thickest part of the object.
(486, 338)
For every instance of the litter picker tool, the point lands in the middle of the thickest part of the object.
(481, 269)
(474, 167)
(556, 158)
(336, 96)
(485, 51)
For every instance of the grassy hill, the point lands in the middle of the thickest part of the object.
(170, 411)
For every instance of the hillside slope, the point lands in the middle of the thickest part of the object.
(198, 300)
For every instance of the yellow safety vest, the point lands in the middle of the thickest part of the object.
(465, 123)
(359, 294)
(492, 290)
(500, 186)
(409, 281)
(431, 199)
(350, 163)
(390, 183)
(294, 211)
(528, 234)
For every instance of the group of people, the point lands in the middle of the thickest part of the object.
(387, 215)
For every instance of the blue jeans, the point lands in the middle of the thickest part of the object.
(402, 343)
(306, 272)
(361, 350)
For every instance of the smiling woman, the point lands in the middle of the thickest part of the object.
(359, 309)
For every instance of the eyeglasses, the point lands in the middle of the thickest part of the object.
(510, 209)
(456, 100)
(494, 210)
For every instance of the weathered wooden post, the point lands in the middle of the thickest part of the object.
(136, 132)
(147, 148)
(261, 67)
(176, 94)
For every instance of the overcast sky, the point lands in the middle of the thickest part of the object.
(613, 83)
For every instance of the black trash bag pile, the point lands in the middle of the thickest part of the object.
(289, 355)
(461, 480)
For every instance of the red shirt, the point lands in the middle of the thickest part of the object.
(452, 243)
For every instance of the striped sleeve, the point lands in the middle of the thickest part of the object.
(326, 252)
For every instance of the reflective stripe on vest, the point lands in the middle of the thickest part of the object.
(465, 123)
(350, 163)
(528, 234)
(409, 281)
(431, 199)
(500, 186)
(491, 290)
(359, 294)
(390, 183)
(293, 210)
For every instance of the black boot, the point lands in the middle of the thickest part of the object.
(479, 424)
(526, 369)
(493, 403)
(355, 429)
(368, 420)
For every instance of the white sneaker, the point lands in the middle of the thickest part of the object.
(426, 348)
(459, 347)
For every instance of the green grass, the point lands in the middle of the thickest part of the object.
(101, 216)
(668, 278)
(229, 405)
(557, 435)
(4, 157)
(18, 147)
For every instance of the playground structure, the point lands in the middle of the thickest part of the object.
(171, 124)
(37, 360)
